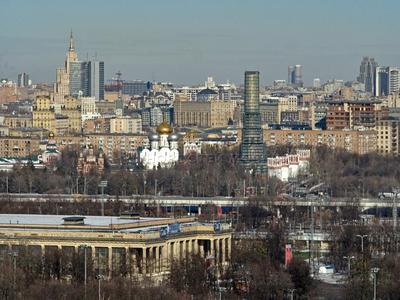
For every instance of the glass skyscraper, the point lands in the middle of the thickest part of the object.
(95, 70)
(367, 73)
(252, 148)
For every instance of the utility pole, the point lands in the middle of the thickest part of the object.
(394, 211)
(312, 235)
(14, 255)
(84, 246)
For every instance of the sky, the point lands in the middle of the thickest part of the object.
(184, 41)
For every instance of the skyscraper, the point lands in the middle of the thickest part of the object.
(295, 75)
(23, 80)
(367, 73)
(252, 148)
(95, 79)
(298, 77)
(290, 75)
(387, 81)
(84, 78)
(77, 78)
(62, 84)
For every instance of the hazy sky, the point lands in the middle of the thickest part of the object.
(183, 41)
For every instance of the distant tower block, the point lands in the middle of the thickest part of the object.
(252, 148)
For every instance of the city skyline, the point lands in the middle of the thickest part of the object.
(175, 42)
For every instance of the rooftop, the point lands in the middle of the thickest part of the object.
(88, 223)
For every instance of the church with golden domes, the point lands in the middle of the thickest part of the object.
(163, 151)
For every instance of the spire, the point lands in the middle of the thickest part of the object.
(71, 42)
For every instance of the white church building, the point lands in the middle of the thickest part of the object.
(163, 152)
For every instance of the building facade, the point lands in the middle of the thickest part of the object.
(43, 114)
(252, 148)
(360, 142)
(367, 73)
(144, 247)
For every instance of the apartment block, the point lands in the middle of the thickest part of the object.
(360, 142)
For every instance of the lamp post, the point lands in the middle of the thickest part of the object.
(291, 293)
(348, 264)
(85, 246)
(362, 240)
(14, 255)
(100, 278)
(374, 272)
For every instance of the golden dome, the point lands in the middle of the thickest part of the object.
(164, 128)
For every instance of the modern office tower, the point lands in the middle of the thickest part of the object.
(252, 148)
(367, 73)
(77, 78)
(317, 83)
(298, 77)
(290, 75)
(95, 79)
(387, 81)
(23, 80)
(295, 75)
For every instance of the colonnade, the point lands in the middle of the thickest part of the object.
(136, 259)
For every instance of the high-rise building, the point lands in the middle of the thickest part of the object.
(290, 75)
(23, 80)
(387, 81)
(298, 77)
(95, 79)
(295, 75)
(317, 83)
(62, 84)
(367, 73)
(77, 78)
(252, 148)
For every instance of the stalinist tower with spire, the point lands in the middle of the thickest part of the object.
(61, 86)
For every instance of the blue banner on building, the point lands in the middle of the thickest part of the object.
(174, 228)
(217, 226)
(164, 232)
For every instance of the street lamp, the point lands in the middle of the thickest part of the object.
(348, 263)
(14, 255)
(374, 272)
(85, 246)
(100, 278)
(362, 240)
(291, 293)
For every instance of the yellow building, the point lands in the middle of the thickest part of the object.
(388, 132)
(126, 125)
(18, 121)
(72, 109)
(211, 114)
(43, 114)
(142, 246)
(360, 142)
(19, 147)
(113, 143)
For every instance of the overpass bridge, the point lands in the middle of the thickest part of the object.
(187, 201)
